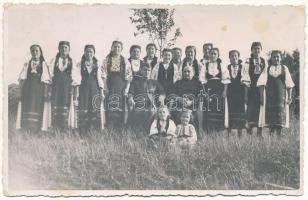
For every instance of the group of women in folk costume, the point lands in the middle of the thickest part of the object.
(59, 93)
(64, 94)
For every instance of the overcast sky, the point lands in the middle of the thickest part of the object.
(228, 27)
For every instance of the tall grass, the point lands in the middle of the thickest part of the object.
(123, 159)
(126, 160)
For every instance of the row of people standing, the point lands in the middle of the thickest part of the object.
(230, 96)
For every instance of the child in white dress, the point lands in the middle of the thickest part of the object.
(186, 132)
(162, 127)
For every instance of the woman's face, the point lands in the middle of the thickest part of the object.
(206, 51)
(151, 51)
(256, 51)
(234, 58)
(167, 56)
(163, 114)
(89, 53)
(213, 55)
(185, 118)
(116, 48)
(146, 72)
(35, 53)
(188, 73)
(190, 54)
(64, 50)
(177, 54)
(135, 53)
(276, 58)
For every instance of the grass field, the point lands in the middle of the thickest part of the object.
(125, 160)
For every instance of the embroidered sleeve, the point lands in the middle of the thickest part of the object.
(172, 128)
(128, 71)
(153, 128)
(52, 66)
(245, 74)
(225, 76)
(46, 77)
(288, 80)
(76, 74)
(263, 78)
(102, 74)
(154, 73)
(23, 73)
(202, 73)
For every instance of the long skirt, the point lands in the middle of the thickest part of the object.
(276, 110)
(115, 101)
(32, 103)
(214, 105)
(89, 104)
(253, 107)
(236, 105)
(61, 100)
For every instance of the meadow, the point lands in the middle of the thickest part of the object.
(119, 159)
(122, 159)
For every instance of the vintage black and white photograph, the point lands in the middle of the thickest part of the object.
(153, 99)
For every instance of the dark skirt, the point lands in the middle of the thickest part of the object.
(236, 105)
(214, 114)
(275, 109)
(115, 102)
(61, 99)
(32, 102)
(253, 107)
(89, 103)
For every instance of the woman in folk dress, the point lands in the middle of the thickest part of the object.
(255, 66)
(215, 79)
(65, 82)
(177, 60)
(275, 84)
(116, 75)
(237, 93)
(206, 53)
(165, 72)
(89, 91)
(190, 60)
(34, 81)
(151, 57)
(134, 59)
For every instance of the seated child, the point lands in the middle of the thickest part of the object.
(162, 127)
(185, 132)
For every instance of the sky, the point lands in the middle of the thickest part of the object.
(227, 27)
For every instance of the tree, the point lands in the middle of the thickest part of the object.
(158, 24)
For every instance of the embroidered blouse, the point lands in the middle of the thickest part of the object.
(245, 78)
(115, 67)
(62, 65)
(187, 132)
(170, 131)
(135, 65)
(213, 70)
(46, 76)
(275, 71)
(154, 73)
